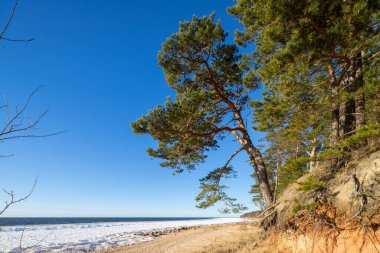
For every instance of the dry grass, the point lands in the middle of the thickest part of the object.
(243, 239)
(240, 238)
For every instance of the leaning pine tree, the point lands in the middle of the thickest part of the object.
(210, 97)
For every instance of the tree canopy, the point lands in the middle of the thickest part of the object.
(210, 96)
(316, 64)
(317, 61)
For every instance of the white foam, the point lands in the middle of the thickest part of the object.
(85, 237)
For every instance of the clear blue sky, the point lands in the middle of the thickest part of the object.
(98, 62)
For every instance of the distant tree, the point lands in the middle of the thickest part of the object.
(207, 76)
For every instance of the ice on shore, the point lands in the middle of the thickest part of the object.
(86, 237)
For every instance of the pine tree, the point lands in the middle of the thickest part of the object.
(326, 44)
(318, 61)
(206, 74)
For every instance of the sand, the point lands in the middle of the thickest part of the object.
(92, 236)
(195, 240)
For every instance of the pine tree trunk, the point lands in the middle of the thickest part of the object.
(349, 127)
(313, 153)
(360, 111)
(347, 110)
(342, 119)
(258, 163)
(335, 108)
(245, 141)
(359, 98)
(262, 178)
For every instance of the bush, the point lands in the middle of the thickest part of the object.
(310, 184)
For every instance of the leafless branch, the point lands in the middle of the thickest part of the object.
(267, 209)
(8, 24)
(22, 235)
(35, 245)
(233, 155)
(12, 198)
(6, 156)
(31, 136)
(16, 40)
(373, 56)
(16, 128)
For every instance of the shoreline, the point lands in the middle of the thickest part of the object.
(194, 239)
(94, 236)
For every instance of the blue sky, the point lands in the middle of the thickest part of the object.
(97, 61)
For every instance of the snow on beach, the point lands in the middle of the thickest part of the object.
(91, 236)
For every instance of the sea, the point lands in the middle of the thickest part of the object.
(25, 221)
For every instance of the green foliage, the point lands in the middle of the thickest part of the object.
(310, 184)
(289, 176)
(365, 133)
(299, 206)
(257, 197)
(318, 64)
(252, 214)
(344, 147)
(212, 191)
(206, 73)
(192, 124)
(304, 49)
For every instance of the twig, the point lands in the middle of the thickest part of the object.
(266, 210)
(266, 216)
(22, 235)
(38, 242)
(7, 26)
(374, 245)
(12, 197)
(16, 128)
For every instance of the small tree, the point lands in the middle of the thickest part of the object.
(210, 97)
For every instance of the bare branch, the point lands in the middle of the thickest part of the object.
(22, 235)
(17, 40)
(10, 19)
(16, 128)
(373, 56)
(8, 126)
(31, 136)
(6, 156)
(13, 200)
(8, 24)
(233, 155)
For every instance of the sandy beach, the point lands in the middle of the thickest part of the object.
(239, 237)
(84, 237)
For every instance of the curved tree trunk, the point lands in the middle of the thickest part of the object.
(258, 163)
(262, 175)
(246, 142)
